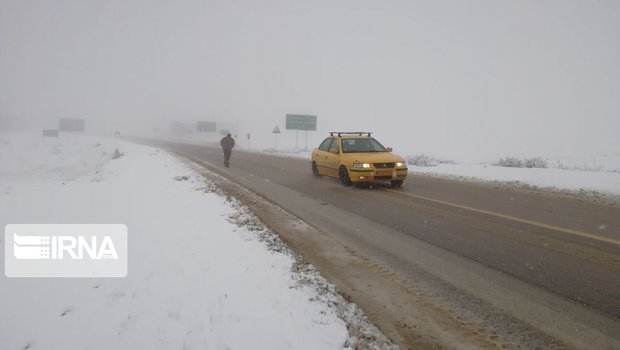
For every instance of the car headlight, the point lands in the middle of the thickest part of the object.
(400, 164)
(361, 165)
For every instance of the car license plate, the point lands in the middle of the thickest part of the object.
(383, 172)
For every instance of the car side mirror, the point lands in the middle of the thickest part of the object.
(333, 150)
(389, 149)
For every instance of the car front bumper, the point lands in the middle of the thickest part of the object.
(377, 175)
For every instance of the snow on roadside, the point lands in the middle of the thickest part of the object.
(574, 180)
(197, 277)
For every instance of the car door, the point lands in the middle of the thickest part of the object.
(320, 155)
(332, 157)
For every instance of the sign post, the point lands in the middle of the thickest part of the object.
(275, 133)
(50, 133)
(73, 125)
(204, 126)
(301, 122)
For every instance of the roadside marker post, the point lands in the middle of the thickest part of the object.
(275, 133)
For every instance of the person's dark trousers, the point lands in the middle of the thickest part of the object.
(227, 153)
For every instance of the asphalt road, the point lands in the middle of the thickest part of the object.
(565, 246)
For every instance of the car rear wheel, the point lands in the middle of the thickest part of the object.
(315, 170)
(397, 183)
(344, 176)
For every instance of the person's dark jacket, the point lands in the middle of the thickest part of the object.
(227, 142)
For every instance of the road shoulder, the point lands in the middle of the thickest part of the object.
(455, 301)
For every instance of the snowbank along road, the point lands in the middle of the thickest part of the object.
(442, 263)
(203, 272)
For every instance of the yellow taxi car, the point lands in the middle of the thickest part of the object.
(356, 158)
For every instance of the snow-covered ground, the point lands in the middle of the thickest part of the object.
(562, 179)
(198, 279)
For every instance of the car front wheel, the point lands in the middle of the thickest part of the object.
(397, 183)
(344, 176)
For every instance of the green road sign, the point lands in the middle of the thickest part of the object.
(50, 133)
(206, 126)
(68, 124)
(300, 122)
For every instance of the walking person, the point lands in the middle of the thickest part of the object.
(227, 144)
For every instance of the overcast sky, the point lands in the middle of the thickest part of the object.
(457, 79)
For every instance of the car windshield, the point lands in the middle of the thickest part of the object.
(361, 145)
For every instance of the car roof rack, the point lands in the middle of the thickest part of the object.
(360, 133)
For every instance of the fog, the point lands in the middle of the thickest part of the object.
(466, 80)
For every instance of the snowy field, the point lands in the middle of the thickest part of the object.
(198, 279)
(560, 179)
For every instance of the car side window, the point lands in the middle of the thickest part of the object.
(348, 146)
(334, 144)
(325, 144)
